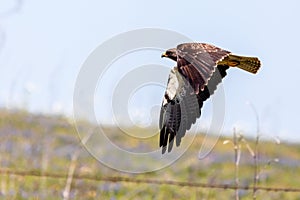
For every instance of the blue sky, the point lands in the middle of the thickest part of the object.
(46, 43)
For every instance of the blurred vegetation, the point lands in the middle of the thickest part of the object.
(47, 144)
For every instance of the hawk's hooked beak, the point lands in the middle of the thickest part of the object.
(164, 55)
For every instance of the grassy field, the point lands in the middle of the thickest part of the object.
(35, 145)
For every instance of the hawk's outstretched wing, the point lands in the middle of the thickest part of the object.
(179, 110)
(198, 61)
(181, 106)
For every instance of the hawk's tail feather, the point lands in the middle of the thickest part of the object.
(249, 64)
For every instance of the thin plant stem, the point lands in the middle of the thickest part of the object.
(237, 154)
(72, 167)
(256, 153)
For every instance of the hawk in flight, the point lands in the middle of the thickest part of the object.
(199, 69)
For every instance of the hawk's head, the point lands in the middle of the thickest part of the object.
(170, 53)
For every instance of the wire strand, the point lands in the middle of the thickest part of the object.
(145, 181)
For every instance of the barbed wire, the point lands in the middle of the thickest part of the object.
(96, 177)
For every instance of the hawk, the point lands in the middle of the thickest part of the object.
(200, 68)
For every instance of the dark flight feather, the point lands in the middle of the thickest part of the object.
(178, 114)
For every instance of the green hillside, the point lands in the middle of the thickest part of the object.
(35, 145)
